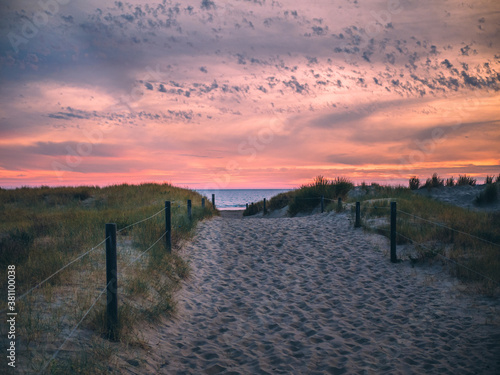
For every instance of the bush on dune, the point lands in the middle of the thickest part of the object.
(309, 196)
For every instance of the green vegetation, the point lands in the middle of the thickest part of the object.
(307, 197)
(430, 240)
(43, 229)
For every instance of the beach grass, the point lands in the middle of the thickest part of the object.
(422, 222)
(307, 197)
(425, 223)
(43, 229)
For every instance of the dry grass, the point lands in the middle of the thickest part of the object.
(42, 229)
(429, 240)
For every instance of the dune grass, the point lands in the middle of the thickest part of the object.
(430, 240)
(42, 229)
(307, 197)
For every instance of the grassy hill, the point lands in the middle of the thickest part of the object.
(43, 229)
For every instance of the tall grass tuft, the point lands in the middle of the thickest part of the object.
(466, 180)
(434, 182)
(414, 183)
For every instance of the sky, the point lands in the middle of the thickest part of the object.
(247, 93)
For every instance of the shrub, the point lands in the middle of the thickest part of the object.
(309, 196)
(414, 183)
(488, 195)
(435, 181)
(466, 180)
(450, 181)
(489, 180)
(498, 179)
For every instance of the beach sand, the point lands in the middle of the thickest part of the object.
(312, 295)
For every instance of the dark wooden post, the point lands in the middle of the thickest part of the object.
(213, 200)
(264, 206)
(190, 216)
(202, 202)
(358, 209)
(111, 282)
(394, 259)
(168, 226)
(247, 206)
(322, 204)
(339, 204)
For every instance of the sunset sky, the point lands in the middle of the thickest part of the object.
(247, 93)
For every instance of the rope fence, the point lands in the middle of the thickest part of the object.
(320, 198)
(447, 258)
(111, 257)
(455, 230)
(392, 232)
(111, 270)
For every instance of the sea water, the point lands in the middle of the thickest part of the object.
(236, 199)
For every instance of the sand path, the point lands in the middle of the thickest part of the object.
(312, 295)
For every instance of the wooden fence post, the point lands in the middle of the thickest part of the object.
(111, 282)
(190, 216)
(358, 221)
(213, 200)
(339, 204)
(168, 226)
(264, 206)
(202, 203)
(322, 203)
(394, 259)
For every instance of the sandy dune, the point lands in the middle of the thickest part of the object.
(311, 295)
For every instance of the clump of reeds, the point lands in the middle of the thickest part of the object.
(414, 183)
(434, 182)
(466, 180)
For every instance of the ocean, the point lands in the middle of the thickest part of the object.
(236, 199)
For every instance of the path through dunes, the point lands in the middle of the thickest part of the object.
(312, 295)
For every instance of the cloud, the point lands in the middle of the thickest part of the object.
(207, 5)
(361, 158)
(210, 67)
